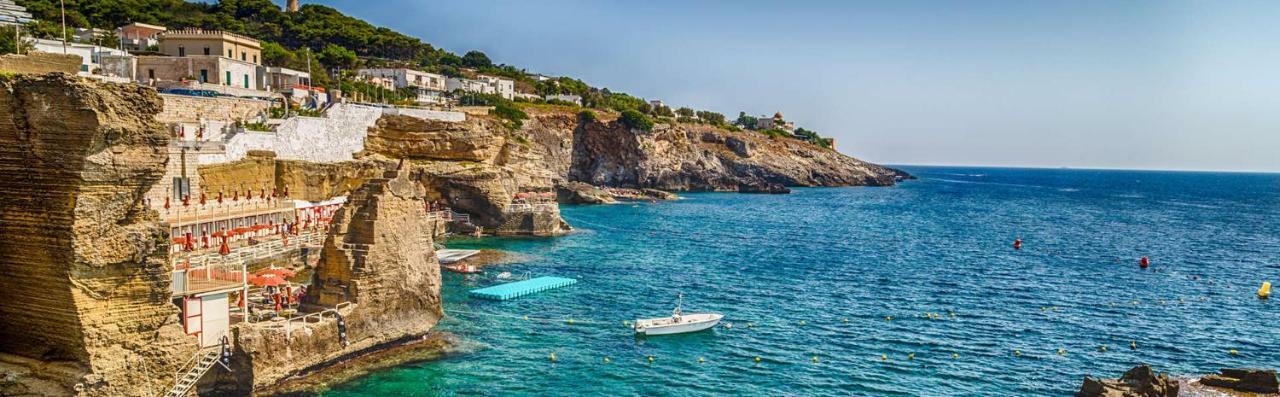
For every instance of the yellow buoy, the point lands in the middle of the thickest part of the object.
(1234, 352)
(884, 357)
(815, 359)
(701, 360)
(1062, 351)
(802, 322)
(888, 318)
(1103, 349)
(846, 320)
(570, 321)
(552, 357)
(1017, 352)
(757, 359)
(526, 318)
(911, 356)
(955, 355)
(1265, 291)
(606, 360)
(749, 325)
(650, 359)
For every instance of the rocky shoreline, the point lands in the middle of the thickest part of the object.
(1143, 381)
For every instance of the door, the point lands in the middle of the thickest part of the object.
(216, 319)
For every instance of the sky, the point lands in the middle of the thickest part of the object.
(1184, 85)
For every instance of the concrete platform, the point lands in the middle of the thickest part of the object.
(448, 256)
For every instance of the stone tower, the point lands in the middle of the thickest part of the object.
(291, 6)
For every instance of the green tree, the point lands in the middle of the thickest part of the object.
(685, 112)
(336, 56)
(476, 59)
(746, 121)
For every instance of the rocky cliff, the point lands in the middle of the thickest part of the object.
(690, 157)
(84, 305)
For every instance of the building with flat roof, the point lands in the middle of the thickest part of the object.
(139, 36)
(189, 42)
(92, 55)
(430, 87)
(484, 85)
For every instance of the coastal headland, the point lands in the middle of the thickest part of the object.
(136, 225)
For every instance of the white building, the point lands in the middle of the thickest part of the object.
(484, 85)
(566, 98)
(430, 87)
(91, 55)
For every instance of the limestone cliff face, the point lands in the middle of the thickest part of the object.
(702, 158)
(83, 260)
(476, 166)
(380, 258)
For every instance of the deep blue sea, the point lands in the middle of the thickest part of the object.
(816, 273)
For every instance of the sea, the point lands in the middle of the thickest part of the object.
(912, 290)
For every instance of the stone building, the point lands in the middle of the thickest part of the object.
(484, 85)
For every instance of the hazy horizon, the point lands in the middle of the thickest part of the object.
(1161, 86)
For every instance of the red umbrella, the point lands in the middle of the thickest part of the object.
(283, 273)
(267, 280)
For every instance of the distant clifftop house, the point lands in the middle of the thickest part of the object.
(429, 87)
(484, 85)
(765, 122)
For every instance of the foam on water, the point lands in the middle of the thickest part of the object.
(823, 255)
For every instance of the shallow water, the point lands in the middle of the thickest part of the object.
(937, 245)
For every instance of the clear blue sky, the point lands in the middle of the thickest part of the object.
(1108, 84)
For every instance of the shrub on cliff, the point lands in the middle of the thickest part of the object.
(587, 116)
(508, 111)
(635, 120)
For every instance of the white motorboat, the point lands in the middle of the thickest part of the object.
(678, 323)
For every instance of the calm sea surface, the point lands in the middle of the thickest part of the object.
(816, 272)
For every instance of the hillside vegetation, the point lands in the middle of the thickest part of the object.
(331, 40)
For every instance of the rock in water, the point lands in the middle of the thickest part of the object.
(1141, 381)
(582, 193)
(1246, 380)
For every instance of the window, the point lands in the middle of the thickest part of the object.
(243, 57)
(228, 81)
(206, 50)
(204, 75)
(230, 54)
(182, 51)
(151, 74)
(181, 187)
(246, 81)
(255, 58)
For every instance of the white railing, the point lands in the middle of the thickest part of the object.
(314, 318)
(532, 207)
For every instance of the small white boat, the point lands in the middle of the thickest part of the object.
(678, 323)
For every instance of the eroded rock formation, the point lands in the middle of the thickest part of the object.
(1141, 381)
(83, 259)
(379, 258)
(1244, 380)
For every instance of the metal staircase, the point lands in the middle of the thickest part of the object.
(195, 368)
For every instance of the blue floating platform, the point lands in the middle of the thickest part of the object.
(518, 289)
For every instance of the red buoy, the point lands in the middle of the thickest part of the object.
(1017, 244)
(1144, 262)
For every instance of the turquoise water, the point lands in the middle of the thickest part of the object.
(937, 245)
